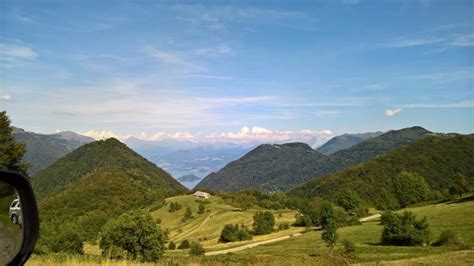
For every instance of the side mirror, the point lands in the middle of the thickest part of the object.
(19, 222)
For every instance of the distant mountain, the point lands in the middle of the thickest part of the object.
(42, 150)
(296, 167)
(437, 158)
(189, 178)
(345, 141)
(265, 163)
(97, 182)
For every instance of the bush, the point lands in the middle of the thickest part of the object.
(174, 206)
(171, 245)
(447, 237)
(302, 220)
(410, 188)
(284, 226)
(135, 235)
(196, 249)
(187, 215)
(232, 233)
(349, 247)
(263, 223)
(350, 201)
(201, 208)
(405, 230)
(184, 244)
(69, 240)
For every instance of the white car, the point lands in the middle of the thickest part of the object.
(15, 212)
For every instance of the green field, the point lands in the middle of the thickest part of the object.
(300, 250)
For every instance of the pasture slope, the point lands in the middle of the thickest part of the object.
(307, 249)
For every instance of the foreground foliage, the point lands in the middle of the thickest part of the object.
(134, 235)
(405, 230)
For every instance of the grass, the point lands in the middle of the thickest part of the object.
(308, 248)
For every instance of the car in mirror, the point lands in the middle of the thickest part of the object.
(19, 223)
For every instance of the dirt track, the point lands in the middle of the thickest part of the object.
(9, 242)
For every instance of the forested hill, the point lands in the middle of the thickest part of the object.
(345, 141)
(282, 167)
(437, 159)
(42, 150)
(98, 158)
(263, 164)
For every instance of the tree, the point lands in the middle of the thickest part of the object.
(67, 240)
(187, 215)
(404, 230)
(201, 208)
(410, 188)
(329, 234)
(232, 233)
(184, 244)
(172, 245)
(135, 235)
(245, 201)
(196, 249)
(326, 212)
(349, 200)
(459, 186)
(11, 152)
(263, 223)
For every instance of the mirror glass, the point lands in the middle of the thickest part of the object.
(11, 233)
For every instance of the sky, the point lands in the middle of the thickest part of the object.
(236, 70)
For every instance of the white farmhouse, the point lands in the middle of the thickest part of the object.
(201, 194)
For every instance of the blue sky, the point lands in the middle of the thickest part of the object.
(237, 69)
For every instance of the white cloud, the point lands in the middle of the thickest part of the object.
(5, 97)
(212, 77)
(16, 51)
(309, 132)
(104, 134)
(171, 58)
(392, 112)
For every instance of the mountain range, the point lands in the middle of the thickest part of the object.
(42, 149)
(271, 168)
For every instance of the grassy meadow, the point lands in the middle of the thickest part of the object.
(299, 250)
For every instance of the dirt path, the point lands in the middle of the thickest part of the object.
(240, 248)
(235, 249)
(198, 227)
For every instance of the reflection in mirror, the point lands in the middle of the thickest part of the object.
(11, 233)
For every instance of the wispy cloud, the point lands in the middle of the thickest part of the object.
(16, 51)
(211, 77)
(463, 104)
(450, 40)
(392, 112)
(5, 97)
(214, 51)
(172, 58)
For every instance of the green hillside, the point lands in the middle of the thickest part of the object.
(345, 141)
(99, 157)
(256, 169)
(437, 159)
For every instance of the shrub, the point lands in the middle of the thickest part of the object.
(187, 215)
(201, 208)
(283, 226)
(232, 233)
(69, 240)
(349, 247)
(196, 249)
(135, 235)
(263, 223)
(172, 245)
(184, 244)
(447, 237)
(174, 206)
(405, 230)
(302, 220)
(349, 200)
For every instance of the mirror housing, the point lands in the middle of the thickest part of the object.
(29, 212)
